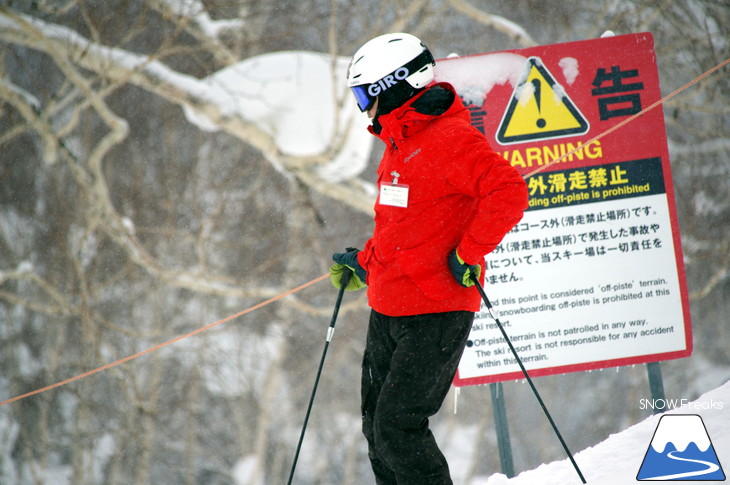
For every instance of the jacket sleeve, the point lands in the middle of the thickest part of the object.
(500, 190)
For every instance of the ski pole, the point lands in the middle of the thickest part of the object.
(346, 274)
(493, 314)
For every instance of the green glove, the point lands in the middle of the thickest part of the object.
(462, 271)
(348, 260)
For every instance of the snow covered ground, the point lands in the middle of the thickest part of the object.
(617, 460)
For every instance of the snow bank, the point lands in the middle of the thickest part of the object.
(300, 98)
(617, 460)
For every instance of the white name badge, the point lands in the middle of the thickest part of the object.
(395, 195)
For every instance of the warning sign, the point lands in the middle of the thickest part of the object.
(539, 109)
(593, 275)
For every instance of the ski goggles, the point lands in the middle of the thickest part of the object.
(364, 100)
(365, 94)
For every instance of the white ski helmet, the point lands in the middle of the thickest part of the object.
(389, 61)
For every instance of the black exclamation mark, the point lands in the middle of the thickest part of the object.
(537, 90)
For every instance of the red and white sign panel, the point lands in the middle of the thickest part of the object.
(592, 277)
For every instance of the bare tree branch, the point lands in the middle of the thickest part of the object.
(150, 74)
(495, 21)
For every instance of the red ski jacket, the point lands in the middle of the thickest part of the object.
(441, 187)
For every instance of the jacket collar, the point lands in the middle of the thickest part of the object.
(405, 120)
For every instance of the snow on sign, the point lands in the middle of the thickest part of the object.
(592, 277)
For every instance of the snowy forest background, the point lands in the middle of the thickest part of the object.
(137, 204)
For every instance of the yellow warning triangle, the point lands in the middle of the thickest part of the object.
(539, 109)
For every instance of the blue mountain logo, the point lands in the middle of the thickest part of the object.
(681, 450)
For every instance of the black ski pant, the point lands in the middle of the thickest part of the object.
(408, 367)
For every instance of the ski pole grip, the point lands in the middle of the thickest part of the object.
(345, 279)
(347, 273)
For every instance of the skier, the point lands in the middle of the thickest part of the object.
(446, 199)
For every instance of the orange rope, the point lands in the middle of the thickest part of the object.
(324, 276)
(632, 117)
(165, 344)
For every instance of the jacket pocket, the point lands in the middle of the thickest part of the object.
(433, 278)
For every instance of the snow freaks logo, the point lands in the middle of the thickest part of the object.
(681, 450)
(667, 404)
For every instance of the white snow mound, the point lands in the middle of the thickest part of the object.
(617, 460)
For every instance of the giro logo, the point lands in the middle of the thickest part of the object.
(390, 80)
